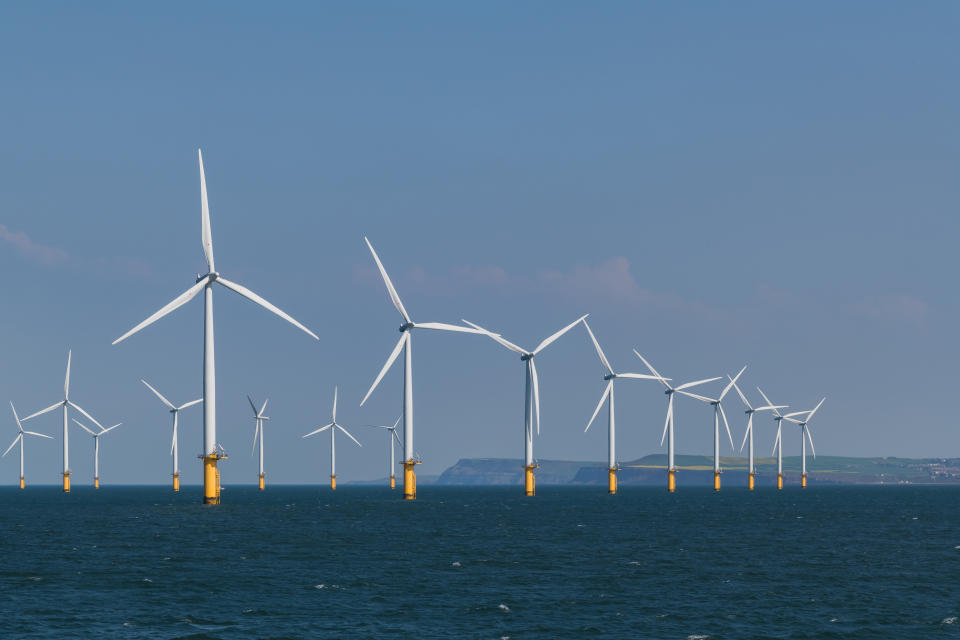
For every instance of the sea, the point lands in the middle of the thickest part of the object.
(572, 562)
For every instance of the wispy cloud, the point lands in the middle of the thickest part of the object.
(898, 308)
(34, 251)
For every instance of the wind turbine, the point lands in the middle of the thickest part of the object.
(778, 443)
(211, 453)
(96, 448)
(333, 426)
(174, 445)
(610, 376)
(65, 403)
(668, 425)
(748, 435)
(393, 437)
(258, 417)
(19, 439)
(804, 430)
(405, 343)
(531, 396)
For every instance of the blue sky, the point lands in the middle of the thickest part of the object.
(716, 184)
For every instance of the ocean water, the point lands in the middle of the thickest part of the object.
(305, 562)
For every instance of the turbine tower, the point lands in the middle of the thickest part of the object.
(610, 376)
(718, 413)
(778, 443)
(748, 435)
(19, 438)
(669, 424)
(174, 444)
(804, 430)
(333, 426)
(96, 448)
(258, 417)
(393, 437)
(531, 397)
(405, 343)
(211, 452)
(65, 404)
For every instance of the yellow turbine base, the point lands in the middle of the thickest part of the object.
(66, 482)
(612, 482)
(779, 481)
(530, 481)
(96, 483)
(671, 480)
(176, 482)
(21, 482)
(261, 481)
(751, 482)
(393, 482)
(409, 480)
(803, 480)
(333, 483)
(716, 481)
(211, 479)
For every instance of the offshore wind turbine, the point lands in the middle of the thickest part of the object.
(20, 433)
(96, 448)
(748, 435)
(718, 413)
(65, 404)
(405, 343)
(258, 417)
(610, 376)
(778, 443)
(668, 425)
(531, 396)
(211, 452)
(174, 444)
(393, 437)
(333, 426)
(804, 430)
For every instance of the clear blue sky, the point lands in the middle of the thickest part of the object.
(718, 184)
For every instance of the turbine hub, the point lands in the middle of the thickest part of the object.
(610, 376)
(406, 327)
(526, 356)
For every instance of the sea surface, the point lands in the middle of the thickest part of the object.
(305, 562)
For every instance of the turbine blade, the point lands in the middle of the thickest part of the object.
(543, 345)
(318, 430)
(16, 417)
(399, 441)
(443, 326)
(603, 398)
(348, 434)
(771, 407)
(806, 430)
(250, 295)
(723, 414)
(190, 404)
(264, 407)
(252, 406)
(386, 280)
(666, 423)
(15, 441)
(767, 400)
(740, 393)
(747, 432)
(732, 382)
(177, 302)
(42, 435)
(83, 426)
(662, 380)
(815, 409)
(66, 380)
(256, 433)
(596, 345)
(536, 392)
(334, 404)
(638, 376)
(110, 428)
(86, 415)
(697, 396)
(43, 411)
(205, 236)
(158, 394)
(498, 338)
(696, 383)
(777, 441)
(173, 441)
(393, 356)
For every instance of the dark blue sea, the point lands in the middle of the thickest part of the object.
(305, 562)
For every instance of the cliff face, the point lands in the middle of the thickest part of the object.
(509, 471)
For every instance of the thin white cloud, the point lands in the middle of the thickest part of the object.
(31, 250)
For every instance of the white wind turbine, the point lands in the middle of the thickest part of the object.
(174, 444)
(393, 437)
(211, 454)
(718, 413)
(64, 404)
(778, 443)
(258, 417)
(748, 435)
(607, 396)
(20, 433)
(96, 448)
(669, 424)
(333, 426)
(531, 396)
(405, 343)
(804, 430)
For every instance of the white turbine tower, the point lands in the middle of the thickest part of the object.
(20, 433)
(96, 448)
(333, 426)
(531, 396)
(258, 417)
(211, 453)
(668, 425)
(607, 396)
(778, 443)
(405, 343)
(804, 430)
(393, 437)
(174, 444)
(748, 435)
(65, 404)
